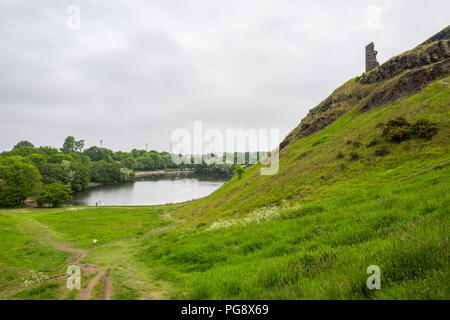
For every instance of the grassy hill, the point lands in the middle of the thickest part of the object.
(345, 198)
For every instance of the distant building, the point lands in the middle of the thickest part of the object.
(371, 57)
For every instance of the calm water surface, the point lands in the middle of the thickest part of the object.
(149, 191)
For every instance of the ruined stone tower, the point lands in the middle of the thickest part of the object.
(371, 57)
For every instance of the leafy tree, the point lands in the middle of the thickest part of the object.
(54, 194)
(47, 151)
(129, 163)
(71, 145)
(37, 159)
(54, 172)
(99, 154)
(8, 160)
(24, 151)
(81, 177)
(19, 180)
(79, 146)
(22, 144)
(168, 160)
(109, 172)
(58, 158)
(120, 155)
(81, 158)
(137, 153)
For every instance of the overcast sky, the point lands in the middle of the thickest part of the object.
(137, 70)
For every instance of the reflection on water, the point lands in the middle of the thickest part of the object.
(149, 191)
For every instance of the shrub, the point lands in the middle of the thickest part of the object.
(397, 129)
(239, 171)
(424, 129)
(354, 155)
(54, 194)
(357, 144)
(381, 151)
(372, 143)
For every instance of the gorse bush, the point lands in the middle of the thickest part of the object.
(354, 155)
(424, 129)
(396, 130)
(357, 144)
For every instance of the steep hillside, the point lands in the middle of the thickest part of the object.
(396, 79)
(308, 157)
(358, 185)
(363, 181)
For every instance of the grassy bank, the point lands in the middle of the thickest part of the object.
(309, 232)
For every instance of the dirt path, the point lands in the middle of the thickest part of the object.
(77, 258)
(79, 255)
(95, 273)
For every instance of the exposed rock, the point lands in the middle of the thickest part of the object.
(371, 57)
(409, 83)
(427, 55)
(398, 78)
(444, 34)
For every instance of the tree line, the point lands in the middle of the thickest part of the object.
(50, 175)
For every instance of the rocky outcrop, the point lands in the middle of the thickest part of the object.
(444, 34)
(429, 54)
(408, 83)
(400, 77)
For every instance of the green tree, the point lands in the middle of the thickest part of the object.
(81, 177)
(110, 172)
(24, 151)
(54, 194)
(54, 172)
(71, 145)
(22, 144)
(98, 154)
(58, 158)
(38, 160)
(19, 180)
(129, 163)
(47, 151)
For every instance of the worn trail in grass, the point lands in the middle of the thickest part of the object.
(309, 232)
(96, 263)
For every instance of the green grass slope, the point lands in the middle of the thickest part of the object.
(323, 220)
(308, 232)
(310, 169)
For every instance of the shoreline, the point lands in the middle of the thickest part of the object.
(143, 174)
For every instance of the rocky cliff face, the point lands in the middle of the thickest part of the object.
(398, 78)
(420, 57)
(442, 35)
